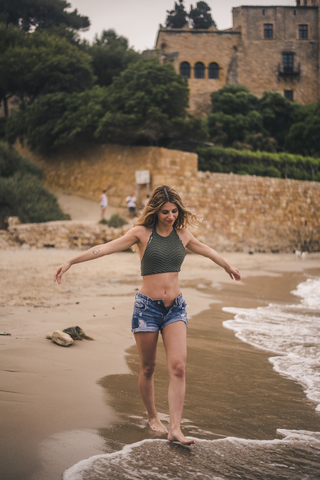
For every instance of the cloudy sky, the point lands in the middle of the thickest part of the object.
(138, 20)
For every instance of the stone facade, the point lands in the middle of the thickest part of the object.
(268, 48)
(240, 213)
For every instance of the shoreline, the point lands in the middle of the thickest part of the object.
(49, 391)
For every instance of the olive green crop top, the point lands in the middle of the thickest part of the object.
(162, 254)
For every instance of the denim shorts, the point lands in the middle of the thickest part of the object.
(152, 315)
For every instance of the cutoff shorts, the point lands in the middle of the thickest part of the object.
(152, 316)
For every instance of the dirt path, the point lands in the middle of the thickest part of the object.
(81, 208)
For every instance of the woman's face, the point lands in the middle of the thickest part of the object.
(168, 214)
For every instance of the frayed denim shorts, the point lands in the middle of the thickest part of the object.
(152, 316)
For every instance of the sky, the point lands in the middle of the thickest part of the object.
(138, 20)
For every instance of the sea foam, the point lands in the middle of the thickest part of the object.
(291, 331)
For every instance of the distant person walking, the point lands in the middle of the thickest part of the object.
(103, 203)
(131, 203)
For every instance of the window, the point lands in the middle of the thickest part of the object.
(288, 94)
(268, 30)
(199, 70)
(185, 69)
(303, 32)
(288, 62)
(213, 70)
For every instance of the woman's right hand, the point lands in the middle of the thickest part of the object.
(233, 273)
(60, 271)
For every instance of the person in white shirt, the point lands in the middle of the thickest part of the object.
(131, 203)
(103, 203)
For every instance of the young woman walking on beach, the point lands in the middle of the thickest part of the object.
(161, 236)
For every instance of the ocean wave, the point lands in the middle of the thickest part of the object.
(293, 457)
(290, 331)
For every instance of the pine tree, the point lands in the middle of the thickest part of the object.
(200, 16)
(178, 17)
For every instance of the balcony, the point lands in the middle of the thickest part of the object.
(289, 71)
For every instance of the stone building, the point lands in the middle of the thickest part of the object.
(268, 48)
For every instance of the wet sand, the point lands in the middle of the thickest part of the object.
(60, 405)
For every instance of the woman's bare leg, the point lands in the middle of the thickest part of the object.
(175, 342)
(147, 348)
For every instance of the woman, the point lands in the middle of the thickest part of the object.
(161, 236)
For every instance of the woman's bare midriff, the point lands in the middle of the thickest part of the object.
(162, 286)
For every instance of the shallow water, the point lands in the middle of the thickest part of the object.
(295, 457)
(249, 421)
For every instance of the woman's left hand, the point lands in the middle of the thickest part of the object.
(233, 273)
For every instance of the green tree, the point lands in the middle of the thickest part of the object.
(110, 56)
(31, 14)
(235, 116)
(200, 16)
(144, 103)
(233, 99)
(278, 115)
(303, 136)
(178, 17)
(228, 129)
(39, 63)
(60, 119)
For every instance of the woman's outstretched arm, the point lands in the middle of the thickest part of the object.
(201, 249)
(118, 245)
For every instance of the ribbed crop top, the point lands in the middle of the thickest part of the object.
(162, 254)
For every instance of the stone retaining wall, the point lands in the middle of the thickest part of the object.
(61, 234)
(112, 167)
(240, 213)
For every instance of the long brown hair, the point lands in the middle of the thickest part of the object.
(159, 197)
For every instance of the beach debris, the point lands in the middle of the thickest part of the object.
(60, 338)
(77, 333)
(5, 334)
(67, 336)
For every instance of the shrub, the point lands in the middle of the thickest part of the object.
(116, 221)
(25, 197)
(266, 164)
(21, 192)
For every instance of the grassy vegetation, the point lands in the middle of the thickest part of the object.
(22, 193)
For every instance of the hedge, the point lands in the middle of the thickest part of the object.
(265, 164)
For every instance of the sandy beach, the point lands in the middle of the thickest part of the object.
(52, 398)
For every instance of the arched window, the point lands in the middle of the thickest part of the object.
(199, 70)
(213, 70)
(185, 69)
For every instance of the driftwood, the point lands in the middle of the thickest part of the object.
(6, 334)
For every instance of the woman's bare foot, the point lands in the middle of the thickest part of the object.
(177, 436)
(157, 426)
